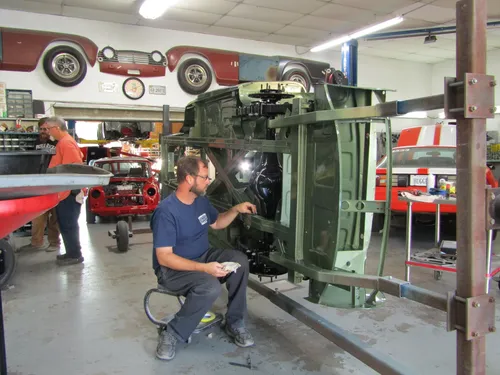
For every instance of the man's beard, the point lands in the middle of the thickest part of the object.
(198, 192)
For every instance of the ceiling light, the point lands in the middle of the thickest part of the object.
(358, 34)
(152, 9)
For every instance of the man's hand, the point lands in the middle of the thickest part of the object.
(246, 208)
(226, 218)
(215, 269)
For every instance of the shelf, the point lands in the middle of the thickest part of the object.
(18, 118)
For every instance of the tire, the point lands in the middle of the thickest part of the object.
(122, 236)
(194, 76)
(298, 75)
(8, 258)
(89, 214)
(65, 66)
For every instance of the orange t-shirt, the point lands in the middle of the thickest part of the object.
(67, 152)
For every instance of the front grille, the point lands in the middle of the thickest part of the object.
(124, 201)
(133, 58)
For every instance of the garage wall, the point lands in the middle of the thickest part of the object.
(408, 78)
(448, 69)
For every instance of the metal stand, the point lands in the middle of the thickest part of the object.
(123, 232)
(433, 259)
(3, 355)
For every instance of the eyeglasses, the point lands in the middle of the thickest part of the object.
(206, 178)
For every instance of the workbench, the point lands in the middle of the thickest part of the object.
(434, 258)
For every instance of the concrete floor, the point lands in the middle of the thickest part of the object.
(89, 319)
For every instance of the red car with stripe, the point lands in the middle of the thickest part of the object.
(422, 151)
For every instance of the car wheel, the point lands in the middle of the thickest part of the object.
(194, 76)
(65, 66)
(299, 76)
(7, 263)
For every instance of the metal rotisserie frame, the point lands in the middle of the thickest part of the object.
(317, 162)
(302, 129)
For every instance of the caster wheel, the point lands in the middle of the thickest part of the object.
(122, 236)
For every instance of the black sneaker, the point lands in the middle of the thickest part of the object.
(166, 346)
(67, 260)
(62, 257)
(240, 335)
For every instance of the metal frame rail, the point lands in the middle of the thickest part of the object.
(468, 98)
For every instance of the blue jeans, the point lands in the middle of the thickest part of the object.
(201, 290)
(68, 211)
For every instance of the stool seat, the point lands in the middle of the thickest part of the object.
(164, 290)
(208, 320)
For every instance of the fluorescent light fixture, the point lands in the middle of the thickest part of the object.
(416, 114)
(152, 9)
(358, 34)
(442, 115)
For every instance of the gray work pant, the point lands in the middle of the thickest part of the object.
(201, 290)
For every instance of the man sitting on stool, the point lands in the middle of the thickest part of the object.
(185, 263)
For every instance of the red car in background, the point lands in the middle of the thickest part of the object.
(133, 190)
(422, 151)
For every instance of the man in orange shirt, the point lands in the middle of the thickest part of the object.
(69, 207)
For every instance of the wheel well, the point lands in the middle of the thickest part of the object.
(62, 43)
(191, 55)
(298, 66)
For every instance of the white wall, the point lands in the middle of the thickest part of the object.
(409, 79)
(448, 69)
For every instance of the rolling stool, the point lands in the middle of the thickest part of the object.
(210, 319)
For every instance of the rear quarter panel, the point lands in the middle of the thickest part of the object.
(313, 68)
(223, 63)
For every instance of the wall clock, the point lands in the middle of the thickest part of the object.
(133, 88)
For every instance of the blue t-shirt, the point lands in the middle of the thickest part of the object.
(184, 227)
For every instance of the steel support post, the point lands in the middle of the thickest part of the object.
(471, 164)
(167, 128)
(3, 355)
(349, 63)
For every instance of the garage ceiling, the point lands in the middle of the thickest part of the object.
(302, 23)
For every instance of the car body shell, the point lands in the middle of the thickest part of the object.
(231, 68)
(98, 196)
(21, 49)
